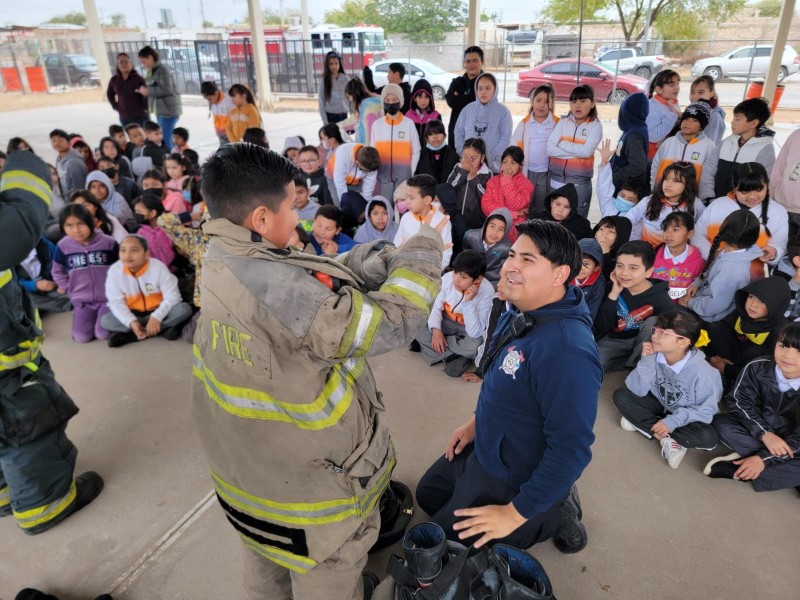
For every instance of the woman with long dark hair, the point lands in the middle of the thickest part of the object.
(333, 105)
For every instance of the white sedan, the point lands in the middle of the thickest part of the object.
(415, 70)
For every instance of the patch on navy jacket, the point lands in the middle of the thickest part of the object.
(512, 362)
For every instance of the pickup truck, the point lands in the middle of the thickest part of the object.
(631, 60)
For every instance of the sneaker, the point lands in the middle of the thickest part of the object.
(120, 338)
(672, 451)
(171, 333)
(370, 581)
(88, 485)
(414, 346)
(5, 510)
(455, 365)
(627, 425)
(727, 459)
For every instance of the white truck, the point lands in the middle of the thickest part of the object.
(628, 59)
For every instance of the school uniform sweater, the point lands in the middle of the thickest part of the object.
(240, 120)
(532, 136)
(345, 173)
(689, 395)
(760, 149)
(410, 224)
(152, 290)
(571, 148)
(784, 182)
(661, 120)
(715, 130)
(623, 318)
(450, 304)
(220, 112)
(513, 193)
(396, 140)
(729, 272)
(707, 226)
(649, 230)
(81, 269)
(700, 151)
(678, 271)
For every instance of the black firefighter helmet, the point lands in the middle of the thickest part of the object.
(397, 508)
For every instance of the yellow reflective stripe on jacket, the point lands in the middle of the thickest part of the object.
(324, 411)
(5, 277)
(25, 180)
(415, 288)
(36, 516)
(31, 351)
(5, 496)
(363, 326)
(301, 564)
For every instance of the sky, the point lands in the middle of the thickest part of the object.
(186, 13)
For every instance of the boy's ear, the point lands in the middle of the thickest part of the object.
(796, 262)
(649, 272)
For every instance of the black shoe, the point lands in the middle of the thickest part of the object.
(32, 594)
(120, 338)
(104, 597)
(5, 510)
(571, 536)
(455, 365)
(573, 502)
(171, 333)
(88, 487)
(371, 581)
(723, 470)
(414, 346)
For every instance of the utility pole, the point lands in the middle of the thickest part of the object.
(97, 41)
(144, 14)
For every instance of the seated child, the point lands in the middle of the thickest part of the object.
(611, 233)
(672, 394)
(751, 330)
(309, 163)
(492, 240)
(561, 206)
(353, 168)
(727, 270)
(80, 267)
(702, 88)
(499, 306)
(35, 274)
(154, 147)
(135, 149)
(590, 278)
(304, 206)
(790, 270)
(380, 223)
(147, 209)
(299, 239)
(180, 139)
(100, 186)
(459, 316)
(420, 194)
(291, 148)
(763, 425)
(256, 136)
(630, 191)
(437, 157)
(677, 262)
(179, 170)
(143, 297)
(623, 321)
(509, 189)
(326, 234)
(103, 222)
(125, 186)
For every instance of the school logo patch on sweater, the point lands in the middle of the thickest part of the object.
(512, 362)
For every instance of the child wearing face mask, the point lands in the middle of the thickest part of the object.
(630, 191)
(146, 210)
(436, 158)
(125, 186)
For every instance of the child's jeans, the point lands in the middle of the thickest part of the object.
(179, 313)
(645, 411)
(619, 354)
(87, 321)
(458, 342)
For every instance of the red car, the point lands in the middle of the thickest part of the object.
(562, 75)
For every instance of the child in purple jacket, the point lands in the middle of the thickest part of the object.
(80, 266)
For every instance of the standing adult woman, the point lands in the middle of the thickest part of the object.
(162, 93)
(333, 104)
(124, 95)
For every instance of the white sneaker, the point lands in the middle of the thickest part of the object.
(672, 451)
(627, 425)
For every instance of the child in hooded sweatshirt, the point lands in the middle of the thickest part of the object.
(727, 270)
(677, 262)
(436, 158)
(690, 145)
(459, 316)
(672, 394)
(629, 161)
(178, 169)
(80, 267)
(147, 209)
(493, 240)
(531, 135)
(630, 191)
(572, 144)
(750, 141)
(751, 330)
(380, 223)
(309, 163)
(422, 109)
(509, 189)
(485, 119)
(590, 278)
(561, 206)
(702, 88)
(103, 190)
(396, 140)
(611, 233)
(664, 108)
(763, 425)
(35, 274)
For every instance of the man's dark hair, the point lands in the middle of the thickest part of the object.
(329, 211)
(554, 243)
(426, 185)
(474, 50)
(753, 109)
(301, 181)
(115, 129)
(641, 249)
(256, 136)
(398, 68)
(239, 178)
(182, 133)
(130, 126)
(208, 88)
(59, 133)
(368, 159)
(151, 126)
(470, 262)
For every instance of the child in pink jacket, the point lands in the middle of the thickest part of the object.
(509, 189)
(147, 208)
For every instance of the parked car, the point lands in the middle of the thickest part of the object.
(631, 60)
(747, 59)
(563, 76)
(415, 69)
(70, 69)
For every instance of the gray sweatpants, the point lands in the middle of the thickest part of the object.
(619, 354)
(458, 342)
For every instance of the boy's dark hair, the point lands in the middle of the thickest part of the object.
(636, 186)
(516, 154)
(309, 148)
(208, 88)
(329, 211)
(500, 218)
(107, 159)
(753, 109)
(151, 199)
(661, 79)
(432, 127)
(182, 133)
(142, 240)
(426, 185)
(740, 228)
(790, 336)
(115, 129)
(59, 133)
(681, 322)
(554, 243)
(241, 177)
(154, 174)
(301, 181)
(474, 50)
(584, 92)
(679, 217)
(256, 136)
(332, 131)
(398, 68)
(470, 262)
(151, 126)
(75, 210)
(131, 126)
(641, 249)
(793, 247)
(149, 51)
(752, 177)
(368, 158)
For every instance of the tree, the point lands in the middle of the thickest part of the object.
(273, 17)
(118, 20)
(73, 18)
(632, 14)
(422, 20)
(353, 12)
(769, 8)
(207, 24)
(490, 17)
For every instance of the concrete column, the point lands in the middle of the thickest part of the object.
(307, 49)
(264, 97)
(771, 80)
(98, 42)
(474, 23)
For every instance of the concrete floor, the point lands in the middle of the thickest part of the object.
(156, 532)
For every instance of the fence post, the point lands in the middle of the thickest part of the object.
(616, 74)
(750, 70)
(505, 70)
